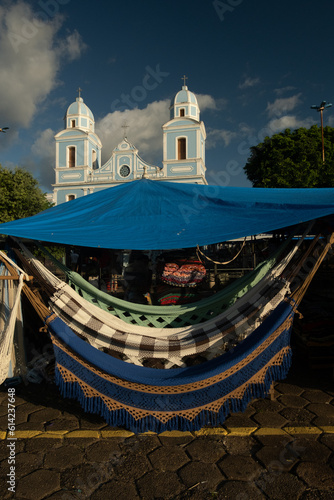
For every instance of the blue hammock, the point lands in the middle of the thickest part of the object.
(146, 399)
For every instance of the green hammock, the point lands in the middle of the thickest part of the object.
(169, 316)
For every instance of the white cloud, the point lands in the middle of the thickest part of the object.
(41, 161)
(249, 82)
(330, 121)
(246, 130)
(72, 46)
(44, 146)
(281, 91)
(216, 136)
(144, 130)
(30, 58)
(206, 102)
(283, 105)
(278, 124)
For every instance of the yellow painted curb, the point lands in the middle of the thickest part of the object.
(327, 429)
(117, 433)
(83, 434)
(212, 432)
(270, 431)
(303, 430)
(53, 434)
(241, 431)
(25, 434)
(175, 434)
(219, 431)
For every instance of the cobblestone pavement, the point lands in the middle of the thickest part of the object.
(276, 449)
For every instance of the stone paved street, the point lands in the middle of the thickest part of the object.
(276, 449)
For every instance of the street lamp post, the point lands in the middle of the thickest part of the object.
(3, 129)
(321, 108)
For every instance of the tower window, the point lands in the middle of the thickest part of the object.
(182, 112)
(94, 161)
(124, 171)
(181, 149)
(71, 156)
(72, 123)
(70, 197)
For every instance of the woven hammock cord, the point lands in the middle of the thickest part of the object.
(7, 335)
(11, 265)
(301, 290)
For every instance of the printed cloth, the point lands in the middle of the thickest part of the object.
(183, 273)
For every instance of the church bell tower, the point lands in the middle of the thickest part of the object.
(184, 138)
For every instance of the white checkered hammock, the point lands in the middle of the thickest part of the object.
(136, 343)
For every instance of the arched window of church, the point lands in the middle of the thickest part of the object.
(70, 197)
(72, 123)
(182, 112)
(181, 148)
(71, 156)
(94, 160)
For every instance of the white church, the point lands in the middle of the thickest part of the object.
(78, 152)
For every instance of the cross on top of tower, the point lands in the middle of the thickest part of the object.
(184, 78)
(125, 126)
(79, 90)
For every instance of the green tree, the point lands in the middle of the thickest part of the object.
(293, 160)
(20, 195)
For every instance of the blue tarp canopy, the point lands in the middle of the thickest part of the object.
(150, 214)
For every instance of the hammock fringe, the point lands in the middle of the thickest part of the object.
(122, 418)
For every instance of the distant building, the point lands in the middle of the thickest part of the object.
(78, 152)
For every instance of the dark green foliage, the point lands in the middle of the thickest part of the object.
(293, 160)
(20, 195)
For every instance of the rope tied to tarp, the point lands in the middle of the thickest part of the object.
(198, 250)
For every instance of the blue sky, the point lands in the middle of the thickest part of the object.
(256, 66)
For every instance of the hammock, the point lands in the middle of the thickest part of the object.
(176, 316)
(186, 399)
(12, 282)
(146, 399)
(137, 344)
(171, 344)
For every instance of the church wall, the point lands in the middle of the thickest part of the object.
(89, 175)
(177, 110)
(93, 147)
(69, 122)
(71, 175)
(172, 143)
(63, 193)
(178, 122)
(79, 153)
(126, 160)
(180, 169)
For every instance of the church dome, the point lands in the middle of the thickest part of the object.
(79, 115)
(184, 104)
(185, 96)
(80, 108)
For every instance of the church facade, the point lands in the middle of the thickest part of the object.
(79, 171)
